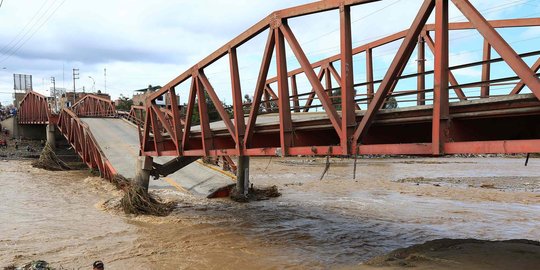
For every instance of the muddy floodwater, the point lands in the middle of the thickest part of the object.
(317, 224)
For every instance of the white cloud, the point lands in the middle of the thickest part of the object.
(151, 42)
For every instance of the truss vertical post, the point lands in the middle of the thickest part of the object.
(294, 89)
(348, 117)
(177, 126)
(285, 123)
(486, 69)
(266, 99)
(369, 75)
(242, 172)
(238, 110)
(189, 111)
(421, 68)
(327, 80)
(440, 93)
(206, 133)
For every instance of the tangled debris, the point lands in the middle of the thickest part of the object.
(255, 194)
(138, 201)
(49, 161)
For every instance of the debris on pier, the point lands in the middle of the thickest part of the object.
(256, 194)
(49, 161)
(138, 201)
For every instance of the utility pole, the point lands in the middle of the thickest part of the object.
(75, 77)
(105, 76)
(53, 81)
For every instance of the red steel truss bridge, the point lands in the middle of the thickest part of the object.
(441, 114)
(434, 118)
(34, 109)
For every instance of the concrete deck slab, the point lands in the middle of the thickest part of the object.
(120, 142)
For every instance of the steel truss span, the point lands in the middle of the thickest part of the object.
(34, 109)
(444, 119)
(94, 106)
(78, 134)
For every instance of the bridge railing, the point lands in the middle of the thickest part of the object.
(135, 115)
(94, 106)
(79, 136)
(346, 129)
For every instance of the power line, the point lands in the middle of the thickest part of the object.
(32, 35)
(483, 11)
(6, 48)
(357, 20)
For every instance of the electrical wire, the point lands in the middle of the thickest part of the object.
(378, 54)
(6, 48)
(32, 35)
(357, 20)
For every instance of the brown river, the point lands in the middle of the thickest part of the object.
(336, 222)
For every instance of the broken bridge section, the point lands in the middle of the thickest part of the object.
(119, 141)
(110, 144)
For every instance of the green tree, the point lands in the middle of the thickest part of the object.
(124, 104)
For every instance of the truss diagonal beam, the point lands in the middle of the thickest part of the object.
(259, 88)
(312, 77)
(517, 89)
(217, 104)
(402, 56)
(500, 45)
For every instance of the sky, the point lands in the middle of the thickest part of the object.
(151, 42)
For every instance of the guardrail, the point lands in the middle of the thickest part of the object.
(78, 134)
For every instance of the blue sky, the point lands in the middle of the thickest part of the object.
(144, 42)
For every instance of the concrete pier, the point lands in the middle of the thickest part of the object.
(51, 136)
(242, 173)
(143, 169)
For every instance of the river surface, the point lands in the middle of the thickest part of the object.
(333, 223)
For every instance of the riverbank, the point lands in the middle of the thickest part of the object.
(337, 222)
(461, 254)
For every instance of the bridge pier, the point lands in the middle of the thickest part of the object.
(242, 175)
(143, 169)
(51, 138)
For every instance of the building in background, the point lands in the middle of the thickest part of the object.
(140, 95)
